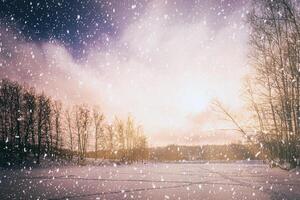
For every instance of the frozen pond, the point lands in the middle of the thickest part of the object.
(152, 181)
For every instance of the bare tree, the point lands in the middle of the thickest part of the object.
(110, 139)
(120, 137)
(218, 105)
(57, 109)
(82, 123)
(4, 110)
(29, 110)
(43, 118)
(98, 118)
(70, 129)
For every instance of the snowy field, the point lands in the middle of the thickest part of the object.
(240, 180)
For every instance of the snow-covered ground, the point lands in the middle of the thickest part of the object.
(241, 180)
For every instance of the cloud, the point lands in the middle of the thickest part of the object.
(163, 72)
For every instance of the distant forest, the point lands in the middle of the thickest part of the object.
(205, 152)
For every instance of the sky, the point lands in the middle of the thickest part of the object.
(162, 62)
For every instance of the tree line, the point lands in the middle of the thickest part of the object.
(274, 90)
(34, 126)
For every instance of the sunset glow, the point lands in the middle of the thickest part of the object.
(164, 68)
